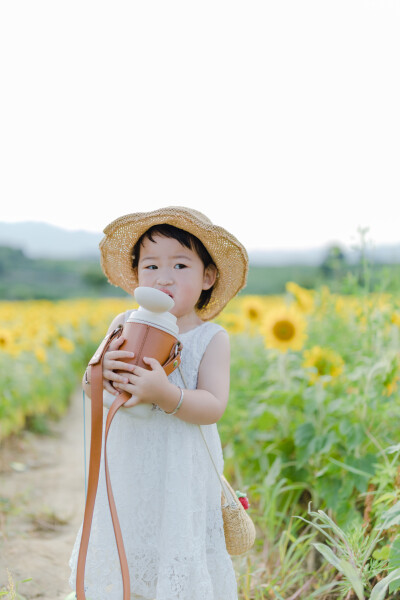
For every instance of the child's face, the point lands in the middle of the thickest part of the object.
(172, 268)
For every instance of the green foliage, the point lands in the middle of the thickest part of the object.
(352, 555)
(10, 258)
(34, 391)
(334, 263)
(23, 278)
(94, 277)
(288, 441)
(314, 437)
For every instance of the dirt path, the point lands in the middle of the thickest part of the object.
(41, 505)
(42, 497)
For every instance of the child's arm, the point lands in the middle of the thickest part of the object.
(117, 355)
(208, 402)
(204, 405)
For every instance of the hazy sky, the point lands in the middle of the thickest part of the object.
(280, 120)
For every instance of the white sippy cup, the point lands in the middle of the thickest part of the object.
(152, 312)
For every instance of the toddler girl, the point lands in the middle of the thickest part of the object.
(166, 491)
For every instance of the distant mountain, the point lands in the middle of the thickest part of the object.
(38, 240)
(389, 254)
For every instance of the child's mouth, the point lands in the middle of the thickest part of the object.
(167, 292)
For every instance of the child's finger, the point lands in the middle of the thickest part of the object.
(136, 370)
(107, 386)
(116, 343)
(116, 364)
(124, 387)
(118, 377)
(133, 401)
(119, 354)
(152, 362)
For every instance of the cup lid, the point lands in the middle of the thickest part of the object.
(152, 299)
(165, 321)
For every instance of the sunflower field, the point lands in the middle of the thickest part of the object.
(310, 433)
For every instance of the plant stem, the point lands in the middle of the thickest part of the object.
(282, 369)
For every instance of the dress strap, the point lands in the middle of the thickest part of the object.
(126, 314)
(227, 492)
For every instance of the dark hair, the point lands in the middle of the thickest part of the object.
(186, 239)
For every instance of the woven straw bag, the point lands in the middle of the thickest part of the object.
(239, 529)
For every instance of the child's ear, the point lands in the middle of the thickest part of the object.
(210, 275)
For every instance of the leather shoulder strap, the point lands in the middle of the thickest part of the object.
(95, 455)
(96, 361)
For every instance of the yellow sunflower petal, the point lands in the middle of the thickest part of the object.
(284, 328)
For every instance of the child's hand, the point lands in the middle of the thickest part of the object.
(144, 385)
(113, 360)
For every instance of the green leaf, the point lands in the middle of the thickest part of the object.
(353, 432)
(350, 468)
(266, 421)
(394, 586)
(344, 567)
(329, 555)
(365, 464)
(384, 497)
(323, 531)
(392, 516)
(350, 572)
(392, 449)
(395, 553)
(379, 591)
(328, 489)
(382, 553)
(273, 472)
(333, 525)
(305, 441)
(304, 434)
(324, 442)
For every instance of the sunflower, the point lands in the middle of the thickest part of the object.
(5, 339)
(325, 361)
(65, 344)
(340, 306)
(41, 354)
(304, 298)
(391, 387)
(232, 322)
(253, 309)
(284, 328)
(395, 318)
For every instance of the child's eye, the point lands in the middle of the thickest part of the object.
(180, 266)
(151, 267)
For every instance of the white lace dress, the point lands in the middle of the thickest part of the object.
(168, 499)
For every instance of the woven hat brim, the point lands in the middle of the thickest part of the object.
(228, 253)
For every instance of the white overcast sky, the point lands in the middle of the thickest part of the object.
(280, 120)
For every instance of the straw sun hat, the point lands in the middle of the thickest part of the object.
(226, 251)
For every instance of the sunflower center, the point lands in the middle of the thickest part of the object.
(253, 314)
(323, 366)
(284, 330)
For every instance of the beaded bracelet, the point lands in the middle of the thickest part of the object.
(179, 404)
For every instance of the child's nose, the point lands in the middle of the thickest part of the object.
(164, 278)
